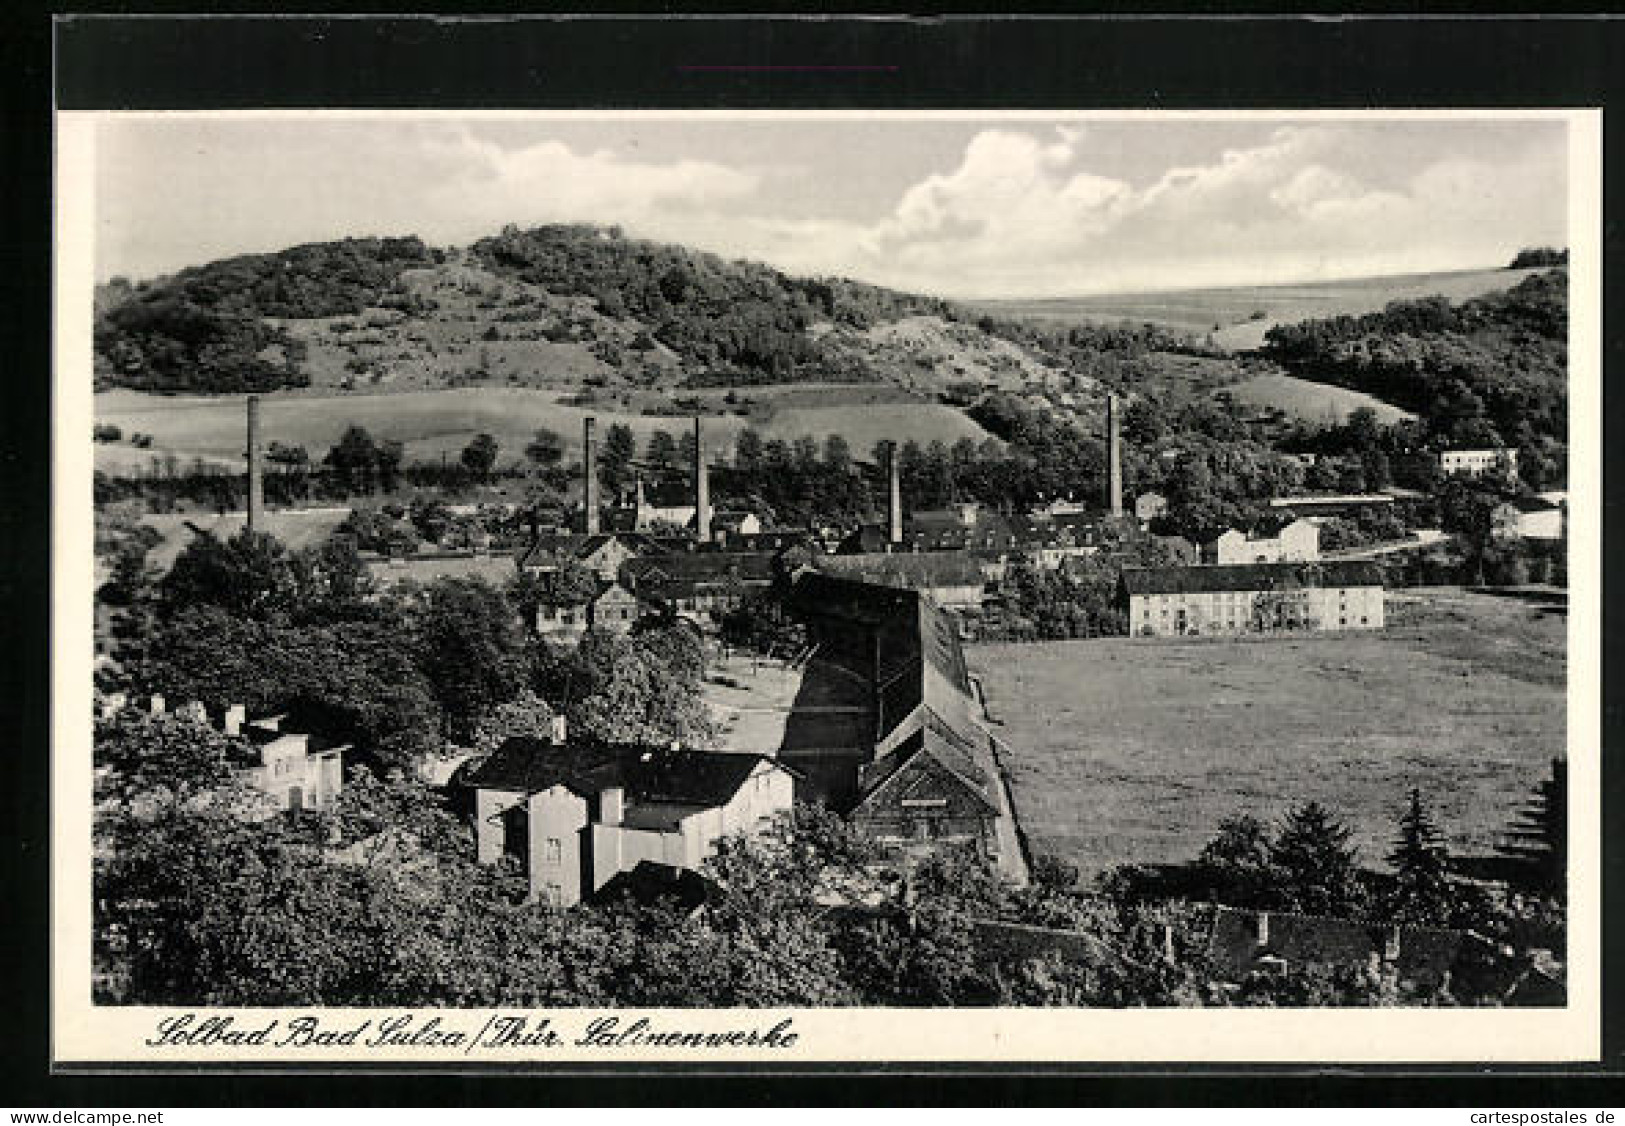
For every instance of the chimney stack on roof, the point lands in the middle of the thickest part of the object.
(236, 716)
(894, 497)
(1114, 453)
(702, 487)
(589, 469)
(256, 496)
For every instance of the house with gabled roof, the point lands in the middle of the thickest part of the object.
(603, 553)
(693, 584)
(614, 607)
(575, 814)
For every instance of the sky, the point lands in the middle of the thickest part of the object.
(960, 207)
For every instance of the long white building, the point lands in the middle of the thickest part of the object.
(1252, 598)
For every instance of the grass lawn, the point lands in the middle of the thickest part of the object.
(1132, 751)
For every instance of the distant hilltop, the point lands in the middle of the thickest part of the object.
(562, 307)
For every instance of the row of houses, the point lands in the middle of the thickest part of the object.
(298, 770)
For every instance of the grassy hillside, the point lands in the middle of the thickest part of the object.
(1308, 401)
(558, 307)
(1238, 317)
(1488, 371)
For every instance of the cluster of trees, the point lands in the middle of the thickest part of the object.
(379, 902)
(1078, 599)
(1539, 258)
(740, 323)
(736, 318)
(1306, 864)
(204, 330)
(357, 465)
(1491, 371)
(395, 671)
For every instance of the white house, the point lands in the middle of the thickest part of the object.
(1475, 463)
(299, 770)
(1297, 542)
(1530, 518)
(574, 815)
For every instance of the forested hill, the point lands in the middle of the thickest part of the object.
(558, 305)
(206, 329)
(1486, 372)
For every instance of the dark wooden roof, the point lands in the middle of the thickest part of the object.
(648, 774)
(820, 595)
(940, 743)
(913, 569)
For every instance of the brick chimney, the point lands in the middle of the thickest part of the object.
(702, 488)
(256, 496)
(236, 716)
(589, 470)
(1114, 454)
(894, 497)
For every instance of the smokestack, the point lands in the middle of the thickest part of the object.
(1114, 452)
(589, 468)
(702, 488)
(894, 497)
(256, 497)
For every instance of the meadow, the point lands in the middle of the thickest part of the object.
(441, 422)
(1309, 401)
(1133, 750)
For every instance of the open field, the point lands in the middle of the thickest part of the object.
(296, 528)
(1232, 310)
(432, 423)
(1310, 401)
(1132, 751)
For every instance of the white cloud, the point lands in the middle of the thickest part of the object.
(1017, 212)
(1022, 215)
(551, 182)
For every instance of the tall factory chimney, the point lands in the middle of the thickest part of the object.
(1114, 454)
(894, 497)
(256, 495)
(702, 488)
(589, 470)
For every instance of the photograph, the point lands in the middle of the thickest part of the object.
(577, 583)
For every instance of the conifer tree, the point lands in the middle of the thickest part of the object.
(1315, 866)
(1541, 834)
(1421, 888)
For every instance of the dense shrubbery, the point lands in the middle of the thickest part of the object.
(1487, 372)
(740, 321)
(1537, 257)
(204, 329)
